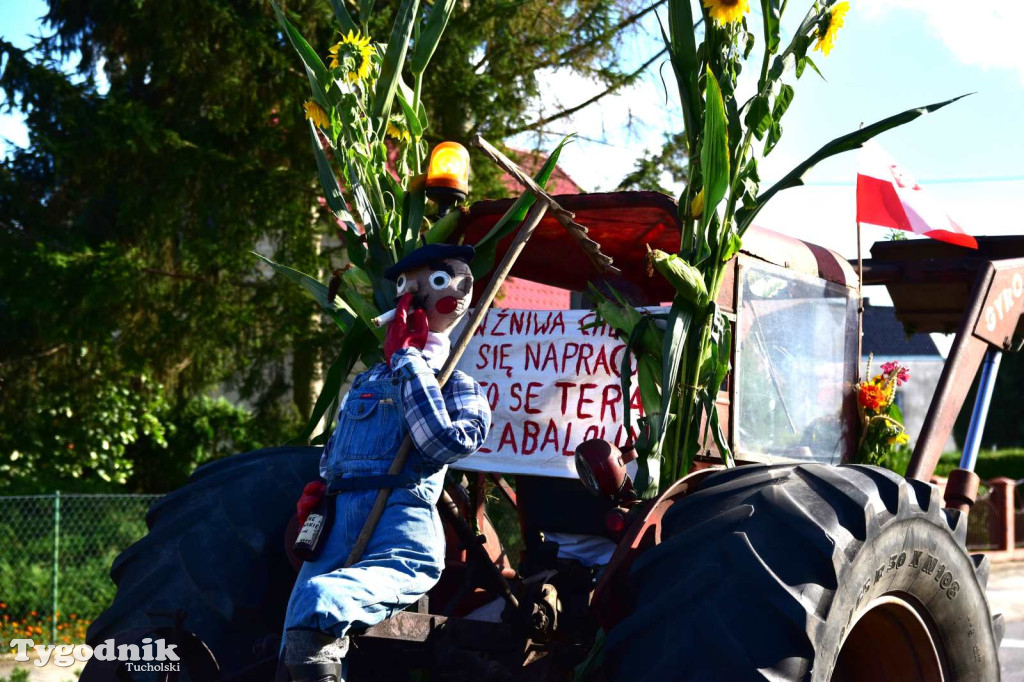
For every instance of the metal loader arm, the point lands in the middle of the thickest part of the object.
(927, 284)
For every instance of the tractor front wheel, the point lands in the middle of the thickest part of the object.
(808, 572)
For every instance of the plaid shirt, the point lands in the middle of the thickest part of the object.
(446, 424)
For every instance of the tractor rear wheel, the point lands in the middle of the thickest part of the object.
(808, 572)
(216, 550)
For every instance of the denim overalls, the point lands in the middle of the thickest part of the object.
(404, 558)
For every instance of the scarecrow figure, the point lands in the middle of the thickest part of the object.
(400, 396)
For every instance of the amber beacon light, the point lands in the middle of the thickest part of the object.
(448, 175)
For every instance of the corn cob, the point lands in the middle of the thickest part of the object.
(686, 279)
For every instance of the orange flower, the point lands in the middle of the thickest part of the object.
(871, 396)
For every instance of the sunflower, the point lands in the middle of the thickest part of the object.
(358, 49)
(727, 11)
(398, 130)
(836, 19)
(316, 114)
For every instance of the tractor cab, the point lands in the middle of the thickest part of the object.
(792, 306)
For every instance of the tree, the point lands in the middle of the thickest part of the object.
(128, 292)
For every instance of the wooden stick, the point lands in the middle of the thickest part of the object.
(533, 219)
(592, 249)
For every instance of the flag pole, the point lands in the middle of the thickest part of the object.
(860, 306)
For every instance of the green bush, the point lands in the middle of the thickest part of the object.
(93, 531)
(991, 463)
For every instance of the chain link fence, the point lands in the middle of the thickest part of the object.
(55, 557)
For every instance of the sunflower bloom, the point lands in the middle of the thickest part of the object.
(836, 19)
(727, 11)
(697, 205)
(316, 114)
(358, 49)
(398, 130)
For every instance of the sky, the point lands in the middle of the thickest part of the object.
(890, 56)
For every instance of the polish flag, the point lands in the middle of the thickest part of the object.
(887, 196)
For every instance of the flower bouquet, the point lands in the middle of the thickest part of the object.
(882, 429)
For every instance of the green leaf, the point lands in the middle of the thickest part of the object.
(332, 193)
(365, 309)
(340, 312)
(779, 107)
(365, 11)
(682, 46)
(771, 14)
(635, 348)
(782, 102)
(758, 117)
(680, 318)
(487, 247)
(413, 207)
(320, 76)
(394, 60)
(413, 121)
(807, 61)
(430, 36)
(343, 17)
(354, 340)
(443, 228)
(714, 153)
(841, 144)
(896, 413)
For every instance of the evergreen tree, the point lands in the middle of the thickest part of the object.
(128, 293)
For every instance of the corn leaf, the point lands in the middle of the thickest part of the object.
(443, 228)
(411, 117)
(714, 152)
(394, 60)
(771, 13)
(841, 144)
(487, 247)
(680, 317)
(365, 10)
(413, 207)
(320, 76)
(356, 338)
(339, 311)
(365, 309)
(683, 55)
(332, 193)
(343, 17)
(430, 36)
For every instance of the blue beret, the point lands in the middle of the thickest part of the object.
(429, 254)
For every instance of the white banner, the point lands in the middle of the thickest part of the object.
(551, 385)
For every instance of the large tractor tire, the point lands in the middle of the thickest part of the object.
(808, 572)
(215, 550)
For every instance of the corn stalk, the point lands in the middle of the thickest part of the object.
(365, 121)
(724, 139)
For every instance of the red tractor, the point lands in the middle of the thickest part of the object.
(792, 566)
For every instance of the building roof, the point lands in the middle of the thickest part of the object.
(523, 294)
(531, 162)
(884, 336)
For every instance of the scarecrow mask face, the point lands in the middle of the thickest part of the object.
(443, 288)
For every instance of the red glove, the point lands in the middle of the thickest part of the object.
(311, 496)
(406, 331)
